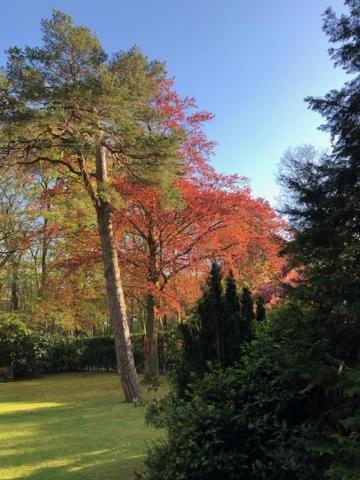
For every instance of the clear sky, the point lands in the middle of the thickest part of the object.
(250, 62)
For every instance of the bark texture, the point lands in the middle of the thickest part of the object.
(14, 296)
(124, 354)
(151, 346)
(151, 357)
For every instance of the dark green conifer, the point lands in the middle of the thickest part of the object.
(211, 316)
(260, 309)
(247, 313)
(232, 331)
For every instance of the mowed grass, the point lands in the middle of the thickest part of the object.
(70, 426)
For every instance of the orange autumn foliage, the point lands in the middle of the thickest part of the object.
(169, 250)
(165, 249)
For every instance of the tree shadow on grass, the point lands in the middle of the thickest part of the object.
(90, 467)
(73, 441)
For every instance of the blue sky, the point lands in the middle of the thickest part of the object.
(250, 62)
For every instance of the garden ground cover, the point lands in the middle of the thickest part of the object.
(70, 426)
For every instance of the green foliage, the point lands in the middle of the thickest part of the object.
(323, 205)
(232, 323)
(251, 421)
(275, 415)
(200, 340)
(325, 200)
(66, 96)
(345, 445)
(323, 194)
(210, 310)
(340, 107)
(214, 333)
(92, 353)
(247, 313)
(75, 354)
(260, 309)
(31, 352)
(18, 347)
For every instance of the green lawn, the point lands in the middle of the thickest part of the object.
(70, 426)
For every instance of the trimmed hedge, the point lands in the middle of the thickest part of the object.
(73, 354)
(30, 353)
(94, 353)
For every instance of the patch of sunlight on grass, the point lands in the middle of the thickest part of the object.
(11, 473)
(96, 452)
(30, 469)
(6, 452)
(12, 407)
(71, 426)
(88, 464)
(136, 456)
(5, 436)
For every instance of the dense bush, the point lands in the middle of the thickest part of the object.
(19, 347)
(83, 353)
(93, 353)
(277, 414)
(30, 352)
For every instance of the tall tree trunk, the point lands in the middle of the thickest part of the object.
(151, 358)
(124, 355)
(44, 252)
(14, 289)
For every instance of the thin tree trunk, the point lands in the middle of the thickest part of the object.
(151, 359)
(14, 294)
(124, 355)
(45, 246)
(151, 347)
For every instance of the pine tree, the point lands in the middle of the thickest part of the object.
(247, 313)
(232, 322)
(89, 119)
(341, 107)
(211, 317)
(324, 212)
(216, 330)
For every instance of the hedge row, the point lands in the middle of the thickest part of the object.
(30, 353)
(93, 353)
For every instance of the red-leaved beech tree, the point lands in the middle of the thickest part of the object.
(166, 240)
(163, 247)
